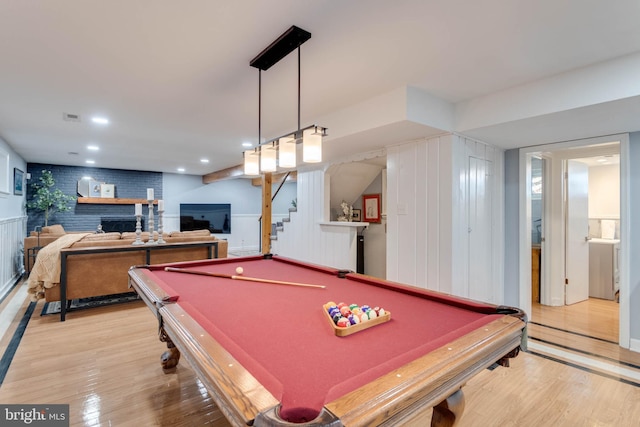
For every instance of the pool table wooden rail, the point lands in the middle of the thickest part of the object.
(430, 379)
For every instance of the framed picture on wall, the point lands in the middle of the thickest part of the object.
(357, 215)
(94, 188)
(18, 181)
(107, 190)
(371, 207)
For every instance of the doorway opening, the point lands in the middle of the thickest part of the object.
(562, 293)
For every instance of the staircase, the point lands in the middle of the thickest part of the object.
(279, 226)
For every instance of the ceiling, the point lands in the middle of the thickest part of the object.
(174, 80)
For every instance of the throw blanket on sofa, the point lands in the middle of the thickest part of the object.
(46, 270)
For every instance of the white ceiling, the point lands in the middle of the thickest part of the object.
(174, 77)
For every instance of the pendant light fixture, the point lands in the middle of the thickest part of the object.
(312, 145)
(251, 162)
(286, 145)
(268, 157)
(287, 152)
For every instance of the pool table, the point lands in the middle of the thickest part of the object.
(269, 354)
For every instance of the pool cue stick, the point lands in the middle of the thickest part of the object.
(249, 279)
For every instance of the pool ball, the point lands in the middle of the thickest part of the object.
(343, 322)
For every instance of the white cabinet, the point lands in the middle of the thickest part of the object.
(603, 268)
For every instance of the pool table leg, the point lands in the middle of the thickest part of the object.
(447, 412)
(170, 358)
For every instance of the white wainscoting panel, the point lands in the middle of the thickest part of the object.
(444, 216)
(12, 234)
(308, 237)
(419, 213)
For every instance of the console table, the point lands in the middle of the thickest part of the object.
(147, 250)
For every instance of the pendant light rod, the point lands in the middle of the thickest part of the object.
(298, 87)
(259, 106)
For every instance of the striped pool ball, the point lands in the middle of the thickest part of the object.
(353, 319)
(333, 311)
(343, 322)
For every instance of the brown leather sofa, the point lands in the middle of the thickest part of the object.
(98, 264)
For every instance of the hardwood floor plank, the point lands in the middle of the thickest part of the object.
(595, 317)
(545, 393)
(104, 363)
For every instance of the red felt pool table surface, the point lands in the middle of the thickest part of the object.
(280, 335)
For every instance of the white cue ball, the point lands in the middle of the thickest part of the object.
(239, 270)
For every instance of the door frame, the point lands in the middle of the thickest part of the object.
(524, 226)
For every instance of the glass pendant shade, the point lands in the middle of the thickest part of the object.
(268, 158)
(251, 163)
(287, 152)
(311, 146)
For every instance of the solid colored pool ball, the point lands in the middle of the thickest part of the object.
(239, 270)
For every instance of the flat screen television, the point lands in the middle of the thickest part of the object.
(215, 217)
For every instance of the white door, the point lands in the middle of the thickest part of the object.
(577, 226)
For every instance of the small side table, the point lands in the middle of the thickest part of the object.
(32, 253)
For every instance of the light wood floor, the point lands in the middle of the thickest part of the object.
(104, 363)
(589, 327)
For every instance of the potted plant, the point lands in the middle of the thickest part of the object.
(48, 199)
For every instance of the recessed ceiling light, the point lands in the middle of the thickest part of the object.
(100, 120)
(204, 160)
(181, 169)
(93, 147)
(247, 144)
(90, 162)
